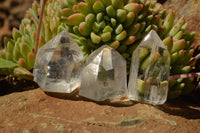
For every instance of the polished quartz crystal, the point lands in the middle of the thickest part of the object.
(150, 69)
(104, 75)
(58, 64)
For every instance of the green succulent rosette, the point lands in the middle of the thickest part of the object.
(123, 24)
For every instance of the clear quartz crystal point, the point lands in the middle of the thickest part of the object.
(104, 75)
(58, 64)
(150, 69)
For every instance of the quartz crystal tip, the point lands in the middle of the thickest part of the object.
(150, 69)
(58, 64)
(104, 75)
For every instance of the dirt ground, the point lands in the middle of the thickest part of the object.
(11, 13)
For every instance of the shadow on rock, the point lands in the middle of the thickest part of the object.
(162, 1)
(10, 84)
(118, 102)
(187, 107)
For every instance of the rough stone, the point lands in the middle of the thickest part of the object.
(42, 113)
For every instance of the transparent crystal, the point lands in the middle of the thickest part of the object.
(104, 75)
(58, 64)
(150, 69)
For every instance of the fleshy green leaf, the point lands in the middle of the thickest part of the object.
(6, 63)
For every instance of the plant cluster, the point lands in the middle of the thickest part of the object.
(121, 24)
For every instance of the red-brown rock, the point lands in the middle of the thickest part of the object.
(34, 112)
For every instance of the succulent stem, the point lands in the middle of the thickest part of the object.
(39, 26)
(197, 57)
(188, 75)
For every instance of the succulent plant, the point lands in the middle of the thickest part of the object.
(19, 51)
(121, 24)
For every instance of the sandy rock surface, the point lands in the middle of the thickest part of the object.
(35, 112)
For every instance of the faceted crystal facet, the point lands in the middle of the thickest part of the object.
(58, 64)
(150, 69)
(104, 75)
